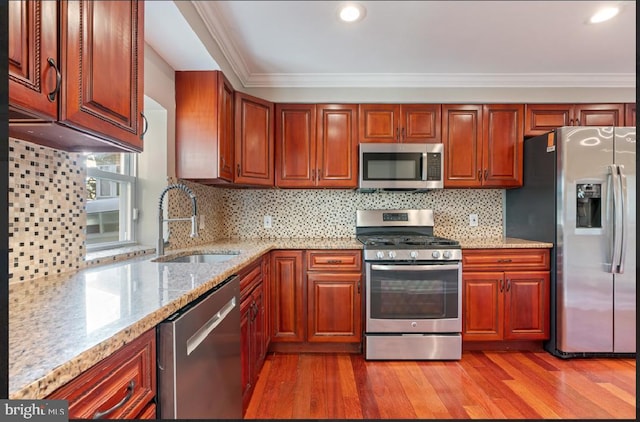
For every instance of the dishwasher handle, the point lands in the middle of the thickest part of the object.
(203, 332)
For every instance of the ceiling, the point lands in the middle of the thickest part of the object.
(405, 43)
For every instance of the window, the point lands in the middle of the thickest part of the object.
(111, 186)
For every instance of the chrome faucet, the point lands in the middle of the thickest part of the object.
(161, 219)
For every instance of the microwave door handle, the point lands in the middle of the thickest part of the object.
(436, 267)
(424, 166)
(623, 214)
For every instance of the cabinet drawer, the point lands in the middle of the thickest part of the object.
(119, 387)
(348, 260)
(505, 259)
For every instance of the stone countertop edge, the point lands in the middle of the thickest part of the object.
(44, 385)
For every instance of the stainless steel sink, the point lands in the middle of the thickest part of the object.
(202, 258)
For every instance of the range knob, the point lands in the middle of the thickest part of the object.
(435, 254)
(379, 254)
(392, 254)
(413, 254)
(446, 254)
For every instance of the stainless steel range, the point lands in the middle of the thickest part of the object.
(413, 283)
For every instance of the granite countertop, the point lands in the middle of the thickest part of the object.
(500, 242)
(60, 326)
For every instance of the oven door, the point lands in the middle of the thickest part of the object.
(413, 298)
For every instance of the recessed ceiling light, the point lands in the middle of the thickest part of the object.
(604, 14)
(351, 12)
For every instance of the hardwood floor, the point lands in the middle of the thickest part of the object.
(482, 385)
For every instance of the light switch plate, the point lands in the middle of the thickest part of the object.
(473, 220)
(267, 221)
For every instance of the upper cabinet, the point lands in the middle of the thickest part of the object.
(483, 145)
(630, 114)
(542, 118)
(204, 126)
(316, 146)
(399, 123)
(76, 74)
(254, 145)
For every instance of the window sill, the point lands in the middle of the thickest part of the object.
(117, 254)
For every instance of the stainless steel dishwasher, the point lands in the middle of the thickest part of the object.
(199, 368)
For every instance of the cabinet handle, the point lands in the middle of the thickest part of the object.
(358, 287)
(334, 261)
(577, 122)
(570, 122)
(501, 286)
(52, 95)
(145, 125)
(480, 175)
(486, 174)
(238, 170)
(404, 134)
(504, 260)
(397, 134)
(130, 388)
(508, 284)
(313, 175)
(319, 174)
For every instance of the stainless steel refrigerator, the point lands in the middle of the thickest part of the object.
(579, 193)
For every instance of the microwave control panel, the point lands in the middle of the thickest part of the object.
(434, 166)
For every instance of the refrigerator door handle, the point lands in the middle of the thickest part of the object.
(623, 213)
(614, 184)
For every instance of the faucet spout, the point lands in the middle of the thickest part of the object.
(161, 219)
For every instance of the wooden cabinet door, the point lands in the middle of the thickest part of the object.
(253, 140)
(630, 114)
(542, 118)
(337, 146)
(33, 58)
(102, 59)
(599, 115)
(333, 307)
(295, 145)
(226, 127)
(526, 305)
(502, 145)
(378, 123)
(462, 139)
(259, 326)
(482, 306)
(246, 347)
(266, 285)
(420, 123)
(287, 296)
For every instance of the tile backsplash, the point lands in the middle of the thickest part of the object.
(307, 213)
(47, 218)
(46, 204)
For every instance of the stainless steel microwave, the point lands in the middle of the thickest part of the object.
(393, 166)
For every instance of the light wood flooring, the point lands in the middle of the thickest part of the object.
(482, 385)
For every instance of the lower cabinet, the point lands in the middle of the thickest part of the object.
(505, 294)
(122, 386)
(252, 328)
(316, 300)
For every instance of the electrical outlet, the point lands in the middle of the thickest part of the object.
(201, 224)
(473, 220)
(267, 221)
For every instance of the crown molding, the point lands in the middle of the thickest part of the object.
(441, 80)
(218, 30)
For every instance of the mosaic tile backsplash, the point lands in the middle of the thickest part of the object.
(295, 213)
(46, 211)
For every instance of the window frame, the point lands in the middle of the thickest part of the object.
(127, 204)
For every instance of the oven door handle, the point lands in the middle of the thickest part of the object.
(434, 267)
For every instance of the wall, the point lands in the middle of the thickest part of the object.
(306, 213)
